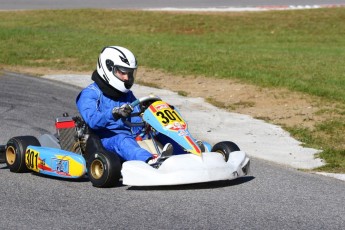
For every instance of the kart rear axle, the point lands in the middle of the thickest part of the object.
(2, 154)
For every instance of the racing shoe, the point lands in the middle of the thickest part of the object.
(201, 145)
(167, 150)
(156, 160)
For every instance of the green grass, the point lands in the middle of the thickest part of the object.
(292, 49)
(329, 137)
(299, 50)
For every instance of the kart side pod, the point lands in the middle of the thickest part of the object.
(55, 162)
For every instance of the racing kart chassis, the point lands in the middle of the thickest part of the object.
(75, 152)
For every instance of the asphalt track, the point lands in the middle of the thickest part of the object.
(271, 197)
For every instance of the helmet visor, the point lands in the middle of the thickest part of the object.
(126, 75)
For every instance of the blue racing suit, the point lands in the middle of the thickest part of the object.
(96, 110)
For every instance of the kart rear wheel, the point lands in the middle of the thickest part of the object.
(225, 148)
(104, 169)
(15, 152)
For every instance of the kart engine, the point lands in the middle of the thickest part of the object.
(72, 133)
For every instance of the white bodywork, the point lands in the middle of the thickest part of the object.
(186, 169)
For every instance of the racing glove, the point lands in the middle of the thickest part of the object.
(120, 112)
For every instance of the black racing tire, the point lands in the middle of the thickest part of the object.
(15, 152)
(225, 148)
(104, 169)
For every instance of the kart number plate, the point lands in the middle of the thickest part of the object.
(31, 159)
(168, 116)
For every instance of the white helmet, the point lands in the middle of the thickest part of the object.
(113, 58)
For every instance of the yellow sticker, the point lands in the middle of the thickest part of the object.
(69, 165)
(31, 159)
(167, 116)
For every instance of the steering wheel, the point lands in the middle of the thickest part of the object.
(143, 103)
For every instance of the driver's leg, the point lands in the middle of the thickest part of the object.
(126, 147)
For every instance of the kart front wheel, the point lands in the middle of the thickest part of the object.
(225, 148)
(15, 152)
(104, 169)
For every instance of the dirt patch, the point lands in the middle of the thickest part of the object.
(278, 106)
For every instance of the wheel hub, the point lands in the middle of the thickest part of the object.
(10, 155)
(97, 169)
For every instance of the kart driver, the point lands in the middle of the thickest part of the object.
(103, 103)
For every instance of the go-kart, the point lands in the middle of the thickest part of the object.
(75, 152)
